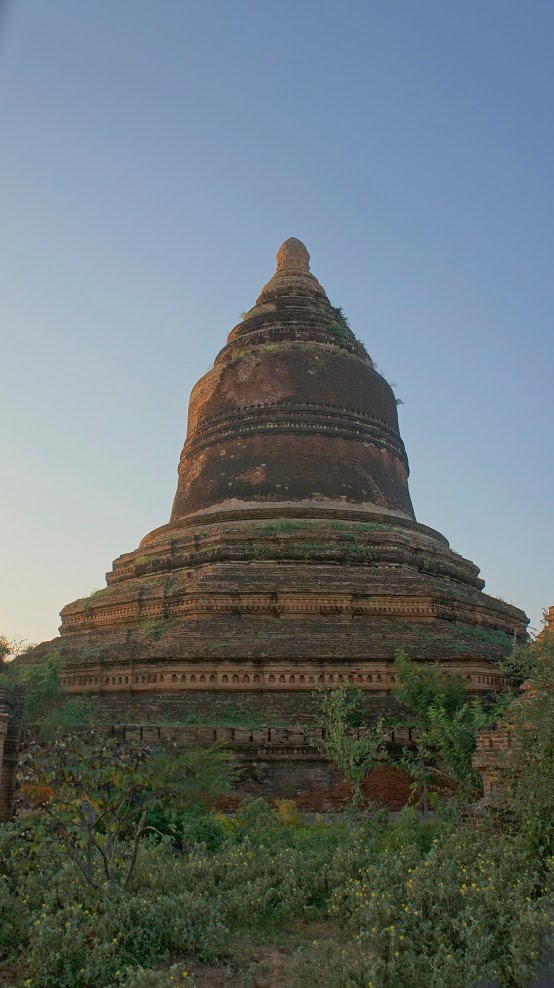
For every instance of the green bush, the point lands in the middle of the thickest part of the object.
(189, 827)
(354, 753)
(75, 946)
(444, 726)
(41, 680)
(93, 797)
(466, 912)
(12, 919)
(255, 818)
(525, 789)
(139, 978)
(72, 712)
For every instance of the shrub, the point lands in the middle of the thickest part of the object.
(12, 919)
(445, 727)
(286, 812)
(525, 792)
(462, 914)
(139, 978)
(354, 753)
(42, 682)
(189, 827)
(80, 947)
(339, 332)
(94, 797)
(254, 818)
(71, 713)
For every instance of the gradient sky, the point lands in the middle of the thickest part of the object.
(153, 157)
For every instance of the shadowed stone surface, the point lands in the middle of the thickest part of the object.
(292, 558)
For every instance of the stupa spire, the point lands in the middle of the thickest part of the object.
(293, 275)
(293, 256)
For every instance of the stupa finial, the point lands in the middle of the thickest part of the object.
(293, 275)
(292, 256)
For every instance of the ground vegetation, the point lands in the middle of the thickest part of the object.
(267, 897)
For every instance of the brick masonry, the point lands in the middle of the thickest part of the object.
(284, 707)
(282, 763)
(12, 704)
(487, 758)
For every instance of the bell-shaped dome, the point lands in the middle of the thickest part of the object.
(293, 409)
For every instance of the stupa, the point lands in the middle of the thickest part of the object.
(292, 558)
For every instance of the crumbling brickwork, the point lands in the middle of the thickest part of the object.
(11, 732)
(487, 758)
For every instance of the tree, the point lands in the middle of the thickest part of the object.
(525, 790)
(354, 751)
(48, 708)
(521, 663)
(41, 681)
(10, 648)
(93, 797)
(4, 650)
(444, 724)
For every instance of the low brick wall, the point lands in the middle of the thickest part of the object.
(282, 763)
(12, 710)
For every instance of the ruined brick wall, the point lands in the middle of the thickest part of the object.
(314, 784)
(487, 758)
(12, 704)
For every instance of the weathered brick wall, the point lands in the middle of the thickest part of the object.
(12, 706)
(278, 707)
(315, 785)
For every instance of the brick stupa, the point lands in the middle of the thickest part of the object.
(292, 558)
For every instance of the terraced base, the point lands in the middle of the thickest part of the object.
(287, 598)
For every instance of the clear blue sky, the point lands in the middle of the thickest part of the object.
(154, 155)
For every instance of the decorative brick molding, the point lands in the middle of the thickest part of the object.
(12, 710)
(160, 675)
